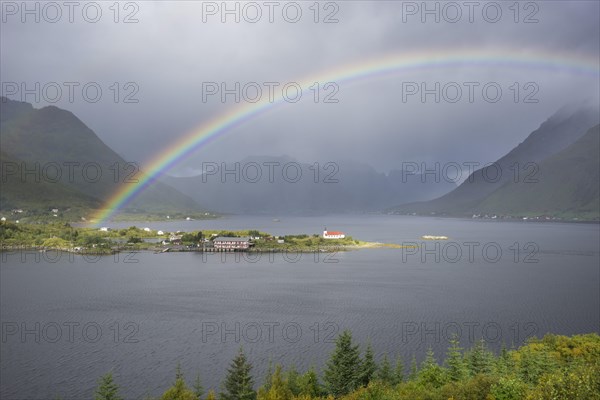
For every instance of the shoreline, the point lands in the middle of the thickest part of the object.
(183, 249)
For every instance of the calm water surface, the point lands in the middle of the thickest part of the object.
(69, 320)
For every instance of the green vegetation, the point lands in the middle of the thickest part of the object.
(62, 236)
(551, 368)
(305, 243)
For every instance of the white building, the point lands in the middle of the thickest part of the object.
(333, 234)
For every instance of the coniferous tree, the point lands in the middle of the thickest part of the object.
(292, 377)
(479, 359)
(454, 359)
(384, 373)
(268, 376)
(342, 374)
(278, 388)
(430, 373)
(107, 389)
(308, 383)
(238, 383)
(198, 388)
(179, 391)
(368, 367)
(398, 375)
(413, 369)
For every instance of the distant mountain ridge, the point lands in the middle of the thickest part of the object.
(70, 164)
(534, 160)
(341, 186)
(564, 147)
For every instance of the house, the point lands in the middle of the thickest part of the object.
(333, 234)
(231, 243)
(104, 229)
(175, 239)
(160, 233)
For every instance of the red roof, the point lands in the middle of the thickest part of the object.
(334, 233)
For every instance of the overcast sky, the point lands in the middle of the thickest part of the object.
(174, 47)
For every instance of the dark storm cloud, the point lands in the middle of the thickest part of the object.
(170, 52)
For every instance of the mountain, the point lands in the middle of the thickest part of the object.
(283, 185)
(68, 164)
(18, 193)
(567, 183)
(480, 193)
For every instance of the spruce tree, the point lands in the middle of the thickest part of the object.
(342, 374)
(268, 376)
(278, 388)
(479, 359)
(413, 369)
(454, 360)
(398, 375)
(308, 383)
(179, 391)
(292, 376)
(107, 389)
(198, 388)
(384, 373)
(238, 383)
(368, 367)
(431, 373)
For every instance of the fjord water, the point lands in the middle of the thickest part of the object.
(66, 321)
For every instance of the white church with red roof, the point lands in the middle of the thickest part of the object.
(333, 234)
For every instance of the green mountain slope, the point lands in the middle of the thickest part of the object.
(560, 131)
(87, 165)
(40, 196)
(567, 183)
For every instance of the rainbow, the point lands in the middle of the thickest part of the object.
(208, 131)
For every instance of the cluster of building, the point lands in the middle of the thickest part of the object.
(225, 243)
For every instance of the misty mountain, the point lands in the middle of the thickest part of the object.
(283, 185)
(567, 183)
(18, 193)
(49, 156)
(522, 168)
